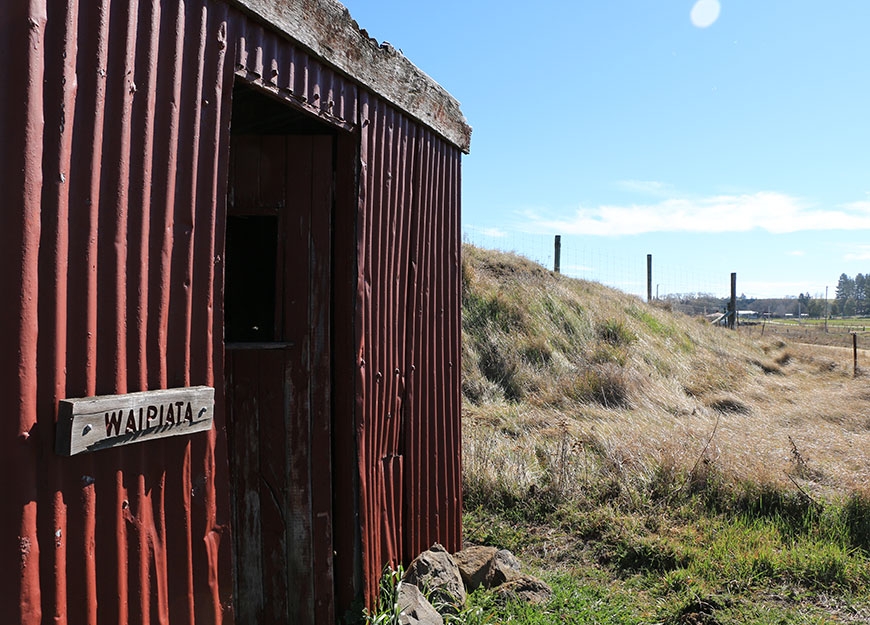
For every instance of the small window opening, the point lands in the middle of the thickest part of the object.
(249, 300)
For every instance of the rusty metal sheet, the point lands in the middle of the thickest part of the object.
(408, 412)
(21, 135)
(267, 60)
(116, 124)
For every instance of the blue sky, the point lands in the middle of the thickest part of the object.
(729, 136)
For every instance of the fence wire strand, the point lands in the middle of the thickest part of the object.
(624, 271)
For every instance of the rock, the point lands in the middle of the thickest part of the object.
(473, 563)
(414, 609)
(503, 567)
(525, 588)
(435, 573)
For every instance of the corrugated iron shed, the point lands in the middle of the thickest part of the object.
(115, 122)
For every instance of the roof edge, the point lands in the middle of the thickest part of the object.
(327, 29)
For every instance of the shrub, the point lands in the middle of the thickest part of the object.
(537, 351)
(502, 367)
(606, 385)
(616, 332)
(856, 512)
(485, 311)
(607, 353)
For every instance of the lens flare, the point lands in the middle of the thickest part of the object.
(705, 12)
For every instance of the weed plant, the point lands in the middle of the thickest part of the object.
(387, 611)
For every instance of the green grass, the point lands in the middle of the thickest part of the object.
(611, 565)
(573, 601)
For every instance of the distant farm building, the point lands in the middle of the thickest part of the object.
(230, 340)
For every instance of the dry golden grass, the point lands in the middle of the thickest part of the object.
(572, 386)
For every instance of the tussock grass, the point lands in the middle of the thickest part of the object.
(601, 431)
(577, 361)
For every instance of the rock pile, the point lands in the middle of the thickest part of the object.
(445, 579)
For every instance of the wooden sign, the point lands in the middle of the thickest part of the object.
(91, 423)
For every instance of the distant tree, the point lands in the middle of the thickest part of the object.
(866, 293)
(816, 308)
(860, 294)
(845, 291)
(849, 307)
(802, 303)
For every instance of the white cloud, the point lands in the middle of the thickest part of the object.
(858, 252)
(858, 207)
(796, 253)
(776, 213)
(487, 232)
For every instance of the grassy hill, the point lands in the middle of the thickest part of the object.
(655, 468)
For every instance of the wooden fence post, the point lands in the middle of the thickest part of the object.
(732, 322)
(557, 260)
(649, 277)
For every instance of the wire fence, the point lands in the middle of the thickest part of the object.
(620, 269)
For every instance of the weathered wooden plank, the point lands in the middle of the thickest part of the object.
(242, 196)
(258, 346)
(243, 429)
(298, 410)
(269, 461)
(92, 423)
(321, 390)
(344, 378)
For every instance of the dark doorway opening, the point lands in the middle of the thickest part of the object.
(278, 359)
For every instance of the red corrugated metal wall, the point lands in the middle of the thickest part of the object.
(264, 58)
(114, 124)
(113, 289)
(408, 339)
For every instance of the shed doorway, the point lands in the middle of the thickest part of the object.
(277, 319)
